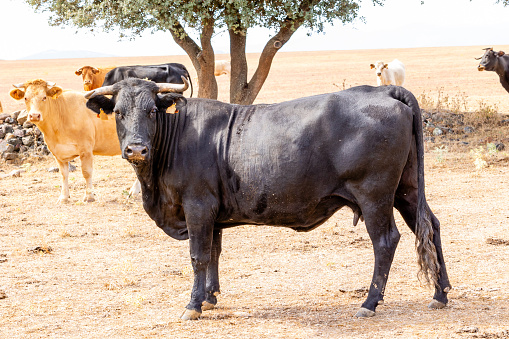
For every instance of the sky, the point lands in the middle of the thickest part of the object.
(398, 24)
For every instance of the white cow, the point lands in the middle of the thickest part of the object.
(222, 67)
(392, 73)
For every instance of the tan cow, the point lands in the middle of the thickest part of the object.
(222, 67)
(70, 129)
(1, 109)
(92, 77)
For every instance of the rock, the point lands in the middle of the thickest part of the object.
(22, 117)
(6, 128)
(14, 174)
(5, 147)
(9, 156)
(40, 249)
(4, 116)
(2, 295)
(15, 115)
(27, 124)
(53, 170)
(500, 146)
(9, 120)
(28, 140)
(437, 131)
(468, 329)
(468, 129)
(72, 168)
(19, 133)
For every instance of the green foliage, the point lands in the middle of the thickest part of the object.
(135, 16)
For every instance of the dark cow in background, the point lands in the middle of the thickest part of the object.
(214, 165)
(164, 73)
(497, 62)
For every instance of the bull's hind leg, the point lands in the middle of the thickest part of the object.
(212, 286)
(406, 204)
(384, 235)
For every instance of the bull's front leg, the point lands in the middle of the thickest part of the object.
(212, 288)
(64, 171)
(87, 168)
(200, 226)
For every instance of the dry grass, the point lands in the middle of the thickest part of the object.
(112, 273)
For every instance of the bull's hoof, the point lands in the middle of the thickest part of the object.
(364, 313)
(190, 315)
(89, 198)
(63, 200)
(436, 304)
(206, 306)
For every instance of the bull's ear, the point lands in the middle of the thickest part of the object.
(54, 92)
(166, 100)
(17, 93)
(99, 103)
(386, 66)
(78, 72)
(500, 53)
(372, 66)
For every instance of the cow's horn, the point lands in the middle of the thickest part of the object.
(50, 84)
(479, 58)
(167, 87)
(488, 48)
(107, 90)
(20, 85)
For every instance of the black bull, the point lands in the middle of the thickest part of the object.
(163, 73)
(215, 165)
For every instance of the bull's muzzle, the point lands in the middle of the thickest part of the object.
(34, 117)
(136, 153)
(480, 68)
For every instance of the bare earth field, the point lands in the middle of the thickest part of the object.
(104, 269)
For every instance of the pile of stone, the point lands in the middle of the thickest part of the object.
(19, 138)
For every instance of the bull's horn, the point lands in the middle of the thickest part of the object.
(50, 84)
(488, 48)
(20, 85)
(479, 58)
(167, 87)
(107, 90)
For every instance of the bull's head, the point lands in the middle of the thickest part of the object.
(138, 105)
(379, 66)
(37, 94)
(87, 73)
(489, 59)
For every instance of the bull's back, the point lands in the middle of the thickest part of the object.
(284, 159)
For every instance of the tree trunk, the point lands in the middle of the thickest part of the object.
(203, 58)
(242, 92)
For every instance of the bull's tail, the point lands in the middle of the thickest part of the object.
(429, 268)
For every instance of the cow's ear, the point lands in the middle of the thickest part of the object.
(54, 92)
(167, 100)
(372, 66)
(95, 70)
(99, 103)
(500, 53)
(17, 93)
(79, 71)
(386, 66)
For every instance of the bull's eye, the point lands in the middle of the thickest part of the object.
(153, 111)
(118, 114)
(44, 99)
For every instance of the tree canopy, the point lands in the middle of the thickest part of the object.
(206, 18)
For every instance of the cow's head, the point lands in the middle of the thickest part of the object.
(489, 59)
(37, 94)
(139, 105)
(379, 66)
(87, 73)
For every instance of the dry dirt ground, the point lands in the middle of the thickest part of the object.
(104, 269)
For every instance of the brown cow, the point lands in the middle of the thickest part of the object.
(92, 77)
(70, 129)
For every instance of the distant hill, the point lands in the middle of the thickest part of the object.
(54, 54)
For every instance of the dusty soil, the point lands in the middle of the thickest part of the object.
(105, 270)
